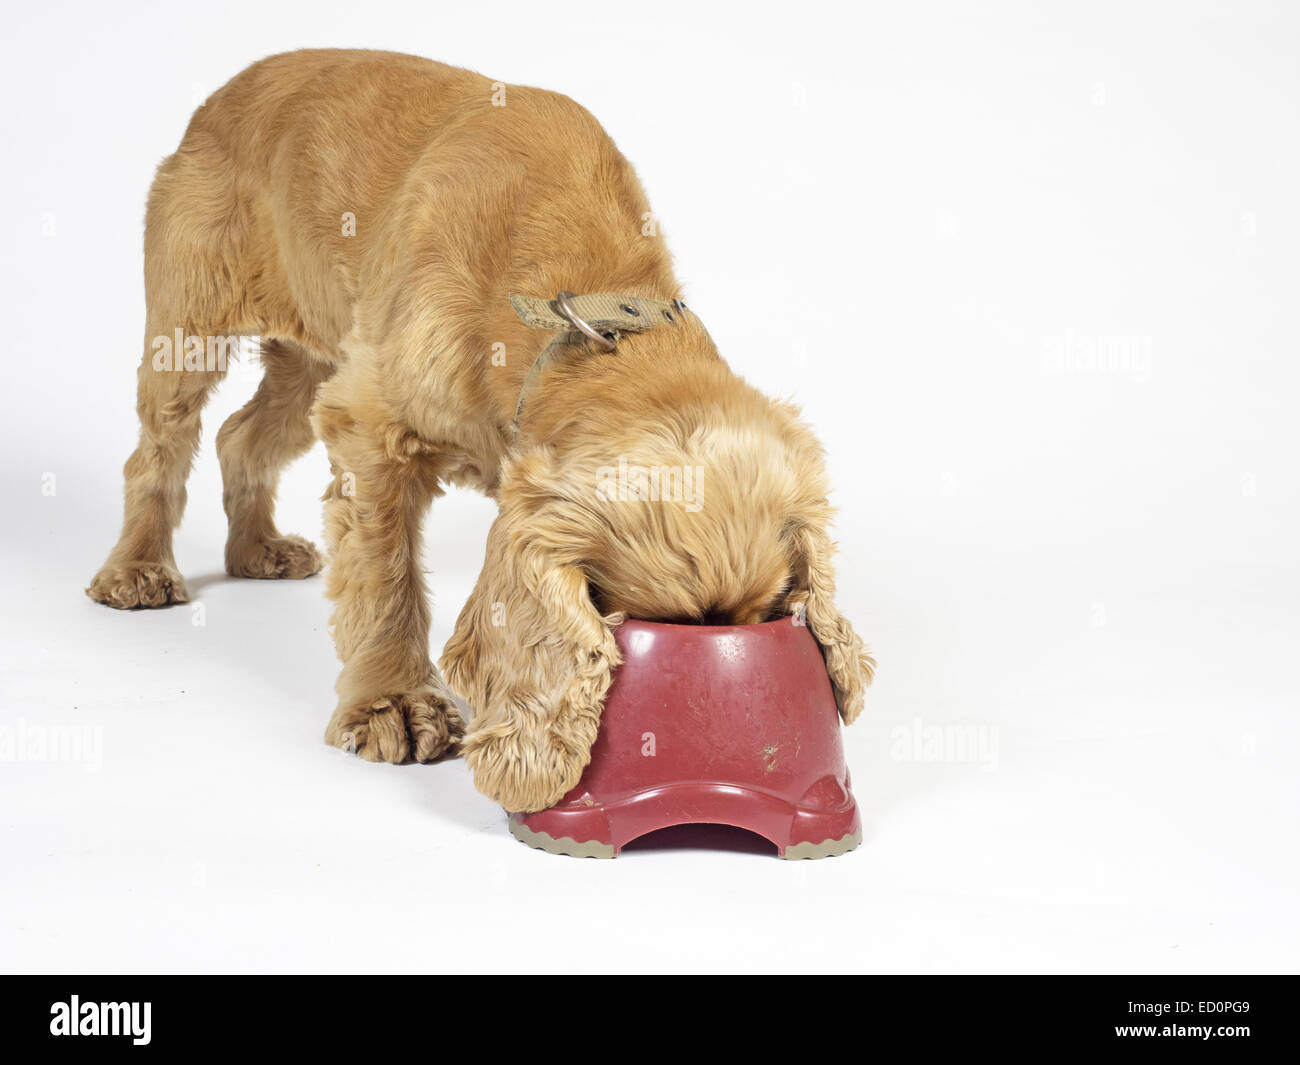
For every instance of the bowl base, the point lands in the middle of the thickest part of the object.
(598, 830)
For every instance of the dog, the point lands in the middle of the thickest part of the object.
(457, 281)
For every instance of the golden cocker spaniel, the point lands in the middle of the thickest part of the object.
(396, 232)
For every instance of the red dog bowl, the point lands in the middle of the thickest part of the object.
(728, 724)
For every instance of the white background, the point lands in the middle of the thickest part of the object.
(921, 221)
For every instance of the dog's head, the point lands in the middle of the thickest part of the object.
(695, 500)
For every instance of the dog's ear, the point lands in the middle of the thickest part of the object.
(531, 653)
(811, 601)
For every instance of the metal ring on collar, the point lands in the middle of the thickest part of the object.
(566, 309)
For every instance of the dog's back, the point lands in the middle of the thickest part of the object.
(308, 164)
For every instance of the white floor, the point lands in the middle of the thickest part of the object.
(1121, 801)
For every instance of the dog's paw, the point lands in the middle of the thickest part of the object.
(410, 727)
(138, 584)
(521, 770)
(279, 557)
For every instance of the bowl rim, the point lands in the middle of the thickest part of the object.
(713, 630)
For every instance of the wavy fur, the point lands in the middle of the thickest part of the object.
(384, 340)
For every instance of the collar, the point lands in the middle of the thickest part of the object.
(600, 318)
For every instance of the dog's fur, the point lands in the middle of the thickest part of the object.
(381, 344)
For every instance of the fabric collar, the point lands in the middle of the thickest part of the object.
(600, 318)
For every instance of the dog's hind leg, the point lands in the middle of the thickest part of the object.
(141, 569)
(254, 445)
(193, 236)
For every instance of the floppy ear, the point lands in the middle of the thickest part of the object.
(812, 600)
(531, 654)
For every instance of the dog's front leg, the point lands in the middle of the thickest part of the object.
(393, 705)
